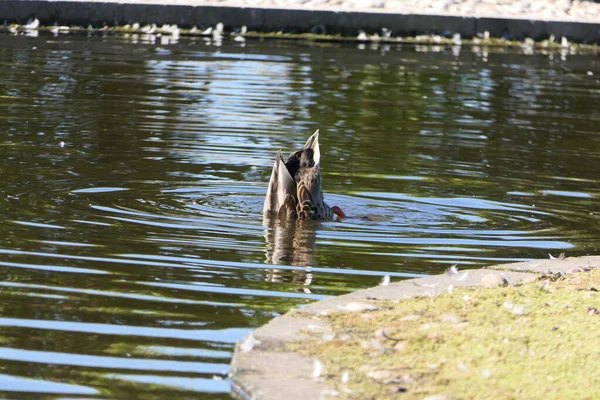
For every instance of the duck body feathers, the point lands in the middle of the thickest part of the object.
(295, 190)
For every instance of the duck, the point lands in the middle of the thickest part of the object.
(295, 190)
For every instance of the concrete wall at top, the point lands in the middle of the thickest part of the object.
(289, 20)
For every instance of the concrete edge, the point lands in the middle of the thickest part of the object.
(263, 369)
(346, 22)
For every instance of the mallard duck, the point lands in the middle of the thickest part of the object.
(295, 186)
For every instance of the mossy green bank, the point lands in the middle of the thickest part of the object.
(537, 340)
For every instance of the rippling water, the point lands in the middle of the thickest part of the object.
(133, 251)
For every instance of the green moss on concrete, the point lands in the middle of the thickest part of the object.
(535, 341)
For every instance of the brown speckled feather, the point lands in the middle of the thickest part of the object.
(311, 204)
(305, 200)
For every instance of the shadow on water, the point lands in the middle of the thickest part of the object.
(133, 253)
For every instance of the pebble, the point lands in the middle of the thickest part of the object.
(530, 279)
(318, 368)
(574, 270)
(384, 333)
(518, 310)
(372, 344)
(381, 375)
(437, 397)
(449, 318)
(411, 318)
(400, 346)
(358, 307)
(345, 377)
(493, 280)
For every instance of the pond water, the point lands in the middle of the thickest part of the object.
(133, 252)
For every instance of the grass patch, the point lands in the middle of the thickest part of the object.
(535, 341)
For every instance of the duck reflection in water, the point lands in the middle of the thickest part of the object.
(290, 243)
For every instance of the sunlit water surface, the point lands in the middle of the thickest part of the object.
(133, 250)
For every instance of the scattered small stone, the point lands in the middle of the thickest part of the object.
(427, 285)
(574, 270)
(413, 317)
(381, 375)
(463, 367)
(359, 307)
(400, 346)
(372, 344)
(486, 373)
(345, 377)
(530, 279)
(317, 369)
(518, 310)
(315, 328)
(365, 368)
(427, 327)
(593, 311)
(437, 397)
(493, 280)
(449, 318)
(384, 333)
(344, 337)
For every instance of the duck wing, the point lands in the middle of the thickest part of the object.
(281, 193)
(313, 144)
(310, 201)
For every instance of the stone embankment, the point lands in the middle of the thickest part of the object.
(265, 365)
(516, 20)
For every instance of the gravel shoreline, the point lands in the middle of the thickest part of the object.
(547, 10)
